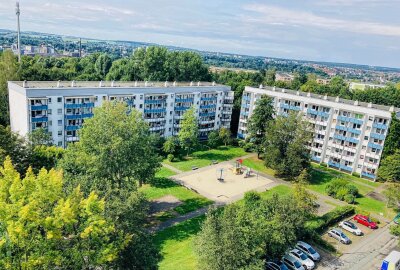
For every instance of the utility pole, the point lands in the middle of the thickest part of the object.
(80, 47)
(17, 12)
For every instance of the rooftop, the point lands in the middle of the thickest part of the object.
(108, 84)
(332, 99)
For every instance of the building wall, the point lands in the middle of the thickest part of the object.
(348, 136)
(63, 109)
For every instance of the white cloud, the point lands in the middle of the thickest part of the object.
(269, 14)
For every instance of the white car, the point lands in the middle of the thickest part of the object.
(308, 250)
(350, 227)
(302, 258)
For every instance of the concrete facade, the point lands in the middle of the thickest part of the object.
(62, 107)
(348, 135)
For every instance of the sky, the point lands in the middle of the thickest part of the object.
(349, 31)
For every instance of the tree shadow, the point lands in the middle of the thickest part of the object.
(162, 182)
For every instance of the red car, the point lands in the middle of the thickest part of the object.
(364, 220)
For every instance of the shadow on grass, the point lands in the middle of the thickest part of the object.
(320, 178)
(190, 205)
(162, 182)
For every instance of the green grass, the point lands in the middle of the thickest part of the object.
(165, 172)
(162, 186)
(281, 190)
(258, 165)
(205, 157)
(176, 245)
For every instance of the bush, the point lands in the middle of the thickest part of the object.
(340, 188)
(356, 174)
(349, 198)
(170, 157)
(336, 215)
(352, 189)
(241, 143)
(341, 193)
(248, 147)
(323, 164)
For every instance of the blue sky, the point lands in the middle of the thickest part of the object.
(352, 31)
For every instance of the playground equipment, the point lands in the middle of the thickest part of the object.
(247, 173)
(220, 174)
(237, 168)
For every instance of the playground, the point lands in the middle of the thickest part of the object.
(224, 182)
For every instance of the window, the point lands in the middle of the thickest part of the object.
(359, 116)
(49, 111)
(50, 134)
(59, 123)
(365, 137)
(50, 123)
(49, 100)
(60, 133)
(59, 143)
(59, 100)
(141, 106)
(59, 111)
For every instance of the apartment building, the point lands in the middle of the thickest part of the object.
(62, 107)
(348, 135)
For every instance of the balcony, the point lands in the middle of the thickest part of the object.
(39, 108)
(157, 128)
(73, 116)
(346, 168)
(154, 101)
(319, 113)
(208, 98)
(72, 128)
(290, 107)
(316, 159)
(352, 130)
(207, 114)
(211, 106)
(40, 119)
(246, 105)
(246, 98)
(181, 108)
(374, 145)
(351, 120)
(369, 175)
(381, 126)
(244, 113)
(377, 136)
(334, 164)
(184, 100)
(78, 105)
(163, 110)
(348, 139)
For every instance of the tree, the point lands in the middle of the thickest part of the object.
(392, 142)
(392, 194)
(299, 80)
(14, 146)
(189, 132)
(40, 137)
(258, 122)
(115, 146)
(389, 169)
(43, 228)
(171, 145)
(8, 72)
(305, 200)
(213, 139)
(103, 64)
(286, 145)
(270, 75)
(224, 135)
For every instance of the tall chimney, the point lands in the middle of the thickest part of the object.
(17, 12)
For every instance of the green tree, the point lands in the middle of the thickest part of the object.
(213, 139)
(40, 137)
(270, 76)
(8, 72)
(171, 145)
(389, 169)
(392, 142)
(392, 194)
(286, 145)
(224, 135)
(189, 132)
(14, 146)
(103, 65)
(305, 200)
(258, 122)
(43, 228)
(298, 81)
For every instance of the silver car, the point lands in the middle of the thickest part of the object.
(339, 235)
(303, 258)
(292, 263)
(308, 250)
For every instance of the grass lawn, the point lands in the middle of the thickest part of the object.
(281, 190)
(176, 245)
(258, 165)
(205, 157)
(163, 186)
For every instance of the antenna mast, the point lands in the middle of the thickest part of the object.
(17, 12)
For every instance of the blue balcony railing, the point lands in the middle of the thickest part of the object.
(374, 145)
(72, 128)
(78, 105)
(245, 105)
(73, 116)
(155, 110)
(377, 136)
(211, 106)
(207, 114)
(184, 100)
(208, 98)
(333, 164)
(351, 120)
(381, 126)
(181, 108)
(348, 139)
(244, 113)
(154, 101)
(39, 119)
(39, 108)
(290, 107)
(352, 130)
(369, 175)
(87, 115)
(246, 97)
(319, 113)
(240, 136)
(317, 159)
(346, 168)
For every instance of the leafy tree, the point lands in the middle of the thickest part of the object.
(258, 122)
(40, 137)
(286, 145)
(224, 135)
(189, 132)
(299, 80)
(392, 142)
(43, 228)
(171, 145)
(103, 64)
(392, 194)
(42, 156)
(213, 139)
(304, 199)
(270, 76)
(8, 72)
(14, 146)
(389, 169)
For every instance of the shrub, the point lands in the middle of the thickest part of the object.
(170, 157)
(323, 164)
(356, 174)
(248, 147)
(341, 193)
(349, 198)
(340, 188)
(352, 189)
(336, 215)
(241, 143)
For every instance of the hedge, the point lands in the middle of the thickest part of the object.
(320, 224)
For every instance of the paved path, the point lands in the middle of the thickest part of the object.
(172, 168)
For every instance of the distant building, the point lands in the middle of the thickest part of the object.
(348, 135)
(323, 81)
(284, 77)
(364, 86)
(62, 107)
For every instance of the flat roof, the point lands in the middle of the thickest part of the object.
(108, 84)
(330, 98)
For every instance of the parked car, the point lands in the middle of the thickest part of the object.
(339, 235)
(276, 265)
(366, 221)
(350, 227)
(292, 263)
(308, 250)
(303, 258)
(397, 219)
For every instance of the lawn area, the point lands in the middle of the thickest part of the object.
(176, 245)
(205, 157)
(163, 186)
(281, 190)
(258, 165)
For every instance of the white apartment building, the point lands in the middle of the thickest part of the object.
(348, 135)
(62, 107)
